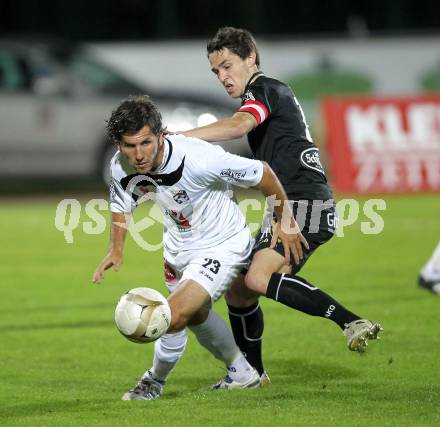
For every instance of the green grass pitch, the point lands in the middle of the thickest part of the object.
(63, 363)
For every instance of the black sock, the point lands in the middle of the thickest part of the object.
(247, 326)
(297, 293)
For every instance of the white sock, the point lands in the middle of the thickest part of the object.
(214, 335)
(168, 349)
(240, 370)
(431, 270)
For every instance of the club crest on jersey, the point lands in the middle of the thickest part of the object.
(310, 159)
(181, 197)
(232, 175)
(182, 210)
(248, 96)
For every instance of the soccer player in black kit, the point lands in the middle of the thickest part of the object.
(277, 132)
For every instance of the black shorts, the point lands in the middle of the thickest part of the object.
(317, 222)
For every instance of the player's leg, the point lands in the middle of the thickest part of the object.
(190, 305)
(214, 335)
(246, 316)
(299, 294)
(247, 321)
(185, 302)
(215, 272)
(429, 277)
(292, 290)
(168, 350)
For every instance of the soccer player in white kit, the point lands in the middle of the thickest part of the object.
(206, 239)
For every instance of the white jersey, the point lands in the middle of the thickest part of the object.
(192, 188)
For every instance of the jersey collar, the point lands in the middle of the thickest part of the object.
(252, 79)
(167, 151)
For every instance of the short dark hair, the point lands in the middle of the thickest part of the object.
(132, 114)
(237, 40)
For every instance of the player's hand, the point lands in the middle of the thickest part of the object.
(292, 240)
(111, 260)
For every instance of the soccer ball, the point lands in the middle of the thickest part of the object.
(142, 315)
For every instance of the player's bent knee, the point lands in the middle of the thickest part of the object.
(238, 295)
(178, 321)
(199, 317)
(256, 282)
(243, 299)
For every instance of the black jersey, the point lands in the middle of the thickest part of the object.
(283, 140)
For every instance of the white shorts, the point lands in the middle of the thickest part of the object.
(212, 268)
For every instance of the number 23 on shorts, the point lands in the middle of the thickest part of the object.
(212, 265)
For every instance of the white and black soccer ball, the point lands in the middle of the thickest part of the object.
(142, 315)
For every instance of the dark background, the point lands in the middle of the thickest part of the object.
(169, 19)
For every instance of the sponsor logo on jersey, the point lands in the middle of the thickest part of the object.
(248, 96)
(310, 159)
(232, 175)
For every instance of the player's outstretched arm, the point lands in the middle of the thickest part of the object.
(234, 127)
(287, 229)
(115, 254)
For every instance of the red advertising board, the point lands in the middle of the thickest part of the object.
(383, 145)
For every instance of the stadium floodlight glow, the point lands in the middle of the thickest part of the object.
(206, 119)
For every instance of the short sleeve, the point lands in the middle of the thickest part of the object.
(120, 200)
(232, 169)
